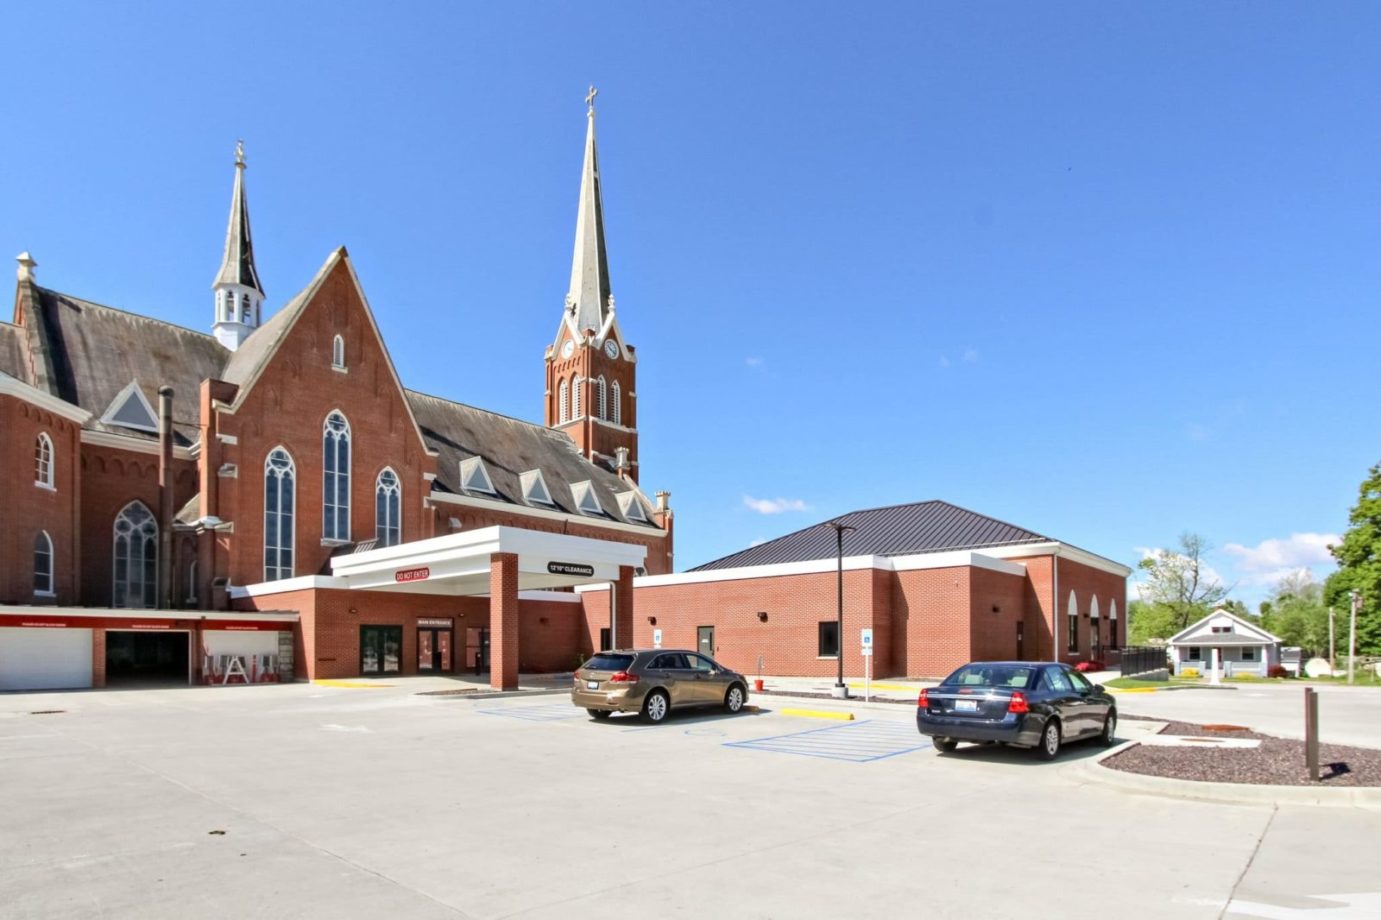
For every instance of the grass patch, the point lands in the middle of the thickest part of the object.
(1132, 683)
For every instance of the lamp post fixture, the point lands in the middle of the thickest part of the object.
(840, 690)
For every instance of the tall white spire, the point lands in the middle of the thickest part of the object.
(589, 301)
(239, 296)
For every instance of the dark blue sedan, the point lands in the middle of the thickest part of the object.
(1021, 703)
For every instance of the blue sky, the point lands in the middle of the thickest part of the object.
(1109, 273)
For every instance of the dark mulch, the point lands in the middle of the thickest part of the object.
(1277, 762)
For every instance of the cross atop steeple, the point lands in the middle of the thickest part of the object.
(590, 99)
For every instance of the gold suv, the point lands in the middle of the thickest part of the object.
(655, 681)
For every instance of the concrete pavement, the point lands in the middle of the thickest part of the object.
(345, 802)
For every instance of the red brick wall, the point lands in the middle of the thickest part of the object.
(1087, 583)
(111, 479)
(30, 508)
(931, 617)
(1040, 605)
(288, 406)
(998, 604)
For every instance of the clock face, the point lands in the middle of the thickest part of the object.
(567, 349)
(611, 348)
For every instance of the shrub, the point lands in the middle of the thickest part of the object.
(1278, 670)
(1092, 664)
(1189, 672)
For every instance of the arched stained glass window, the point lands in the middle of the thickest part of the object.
(335, 496)
(280, 506)
(136, 557)
(388, 509)
(43, 563)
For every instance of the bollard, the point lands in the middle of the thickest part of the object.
(1311, 732)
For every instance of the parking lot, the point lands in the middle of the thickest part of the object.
(368, 801)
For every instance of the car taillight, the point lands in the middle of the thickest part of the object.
(1018, 703)
(923, 700)
(623, 677)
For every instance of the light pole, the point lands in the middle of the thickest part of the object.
(840, 690)
(1352, 632)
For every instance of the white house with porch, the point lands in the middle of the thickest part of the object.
(1225, 643)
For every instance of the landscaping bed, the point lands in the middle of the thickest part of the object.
(1276, 762)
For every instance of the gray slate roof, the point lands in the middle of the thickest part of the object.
(897, 530)
(97, 350)
(12, 351)
(510, 448)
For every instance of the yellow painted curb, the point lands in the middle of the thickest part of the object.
(819, 714)
(352, 684)
(1133, 689)
(878, 686)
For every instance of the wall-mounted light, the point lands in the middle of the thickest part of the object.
(762, 616)
(652, 620)
(542, 620)
(996, 609)
(353, 611)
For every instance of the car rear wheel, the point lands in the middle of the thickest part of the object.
(1109, 735)
(944, 745)
(656, 706)
(1050, 740)
(599, 713)
(733, 700)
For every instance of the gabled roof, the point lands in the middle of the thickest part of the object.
(1243, 632)
(896, 530)
(510, 448)
(254, 352)
(95, 352)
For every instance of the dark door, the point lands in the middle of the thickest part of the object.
(433, 651)
(477, 650)
(1021, 641)
(706, 637)
(146, 657)
(604, 639)
(381, 650)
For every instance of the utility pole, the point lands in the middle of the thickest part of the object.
(1332, 649)
(1352, 633)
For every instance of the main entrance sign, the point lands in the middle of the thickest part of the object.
(571, 568)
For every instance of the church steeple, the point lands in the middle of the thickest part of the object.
(591, 371)
(239, 296)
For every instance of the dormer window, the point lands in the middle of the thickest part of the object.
(631, 507)
(535, 491)
(586, 501)
(475, 478)
(131, 409)
(338, 353)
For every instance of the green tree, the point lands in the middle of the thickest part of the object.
(1359, 568)
(1296, 612)
(1178, 581)
(1146, 622)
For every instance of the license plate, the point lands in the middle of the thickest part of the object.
(592, 685)
(966, 705)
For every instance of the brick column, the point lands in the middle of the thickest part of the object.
(622, 598)
(98, 658)
(503, 621)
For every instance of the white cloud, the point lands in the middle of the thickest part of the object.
(753, 361)
(1272, 560)
(970, 355)
(1207, 573)
(774, 505)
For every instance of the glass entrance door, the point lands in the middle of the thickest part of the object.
(381, 650)
(433, 651)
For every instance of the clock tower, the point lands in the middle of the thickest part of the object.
(591, 370)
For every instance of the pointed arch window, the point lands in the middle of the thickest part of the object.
(280, 514)
(43, 564)
(388, 509)
(43, 461)
(601, 398)
(617, 398)
(335, 496)
(1072, 619)
(565, 401)
(136, 557)
(193, 590)
(577, 410)
(338, 353)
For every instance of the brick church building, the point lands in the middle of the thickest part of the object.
(267, 500)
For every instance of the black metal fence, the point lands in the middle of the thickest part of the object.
(1140, 659)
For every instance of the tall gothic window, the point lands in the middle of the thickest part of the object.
(335, 496)
(576, 386)
(43, 460)
(338, 352)
(616, 396)
(43, 564)
(388, 509)
(280, 504)
(601, 398)
(136, 557)
(565, 400)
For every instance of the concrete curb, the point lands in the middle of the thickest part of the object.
(1368, 797)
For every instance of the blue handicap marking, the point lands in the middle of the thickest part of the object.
(857, 742)
(552, 712)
